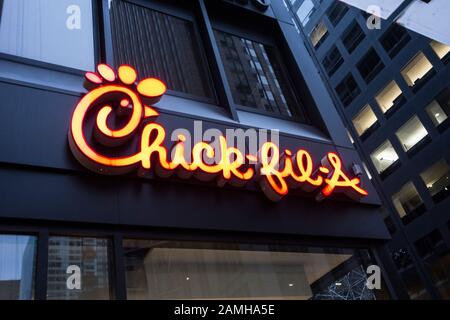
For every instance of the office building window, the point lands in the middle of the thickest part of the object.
(437, 180)
(436, 113)
(336, 12)
(412, 134)
(439, 110)
(162, 46)
(347, 90)
(185, 270)
(442, 50)
(436, 257)
(395, 39)
(17, 267)
(353, 36)
(390, 98)
(427, 245)
(256, 75)
(370, 65)
(319, 34)
(408, 203)
(57, 32)
(87, 257)
(365, 122)
(332, 61)
(384, 158)
(305, 11)
(411, 279)
(418, 71)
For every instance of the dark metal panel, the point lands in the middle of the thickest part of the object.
(317, 88)
(55, 196)
(41, 266)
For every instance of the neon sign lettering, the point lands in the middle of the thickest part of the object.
(275, 172)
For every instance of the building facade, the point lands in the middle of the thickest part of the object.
(94, 94)
(392, 88)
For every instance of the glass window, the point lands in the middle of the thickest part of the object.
(437, 180)
(305, 11)
(332, 61)
(395, 39)
(162, 46)
(436, 113)
(411, 133)
(391, 96)
(256, 75)
(336, 12)
(407, 201)
(441, 49)
(347, 90)
(187, 270)
(58, 32)
(17, 267)
(416, 70)
(364, 120)
(411, 279)
(353, 36)
(370, 65)
(319, 34)
(436, 260)
(69, 257)
(384, 156)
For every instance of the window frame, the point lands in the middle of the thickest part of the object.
(344, 83)
(182, 14)
(400, 44)
(420, 143)
(329, 61)
(43, 231)
(347, 35)
(97, 37)
(341, 9)
(369, 130)
(363, 63)
(392, 167)
(299, 115)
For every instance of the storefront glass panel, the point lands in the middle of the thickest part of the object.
(187, 270)
(17, 267)
(78, 268)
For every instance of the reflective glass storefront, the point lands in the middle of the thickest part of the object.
(190, 270)
(88, 268)
(17, 267)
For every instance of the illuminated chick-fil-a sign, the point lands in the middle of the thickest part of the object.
(119, 93)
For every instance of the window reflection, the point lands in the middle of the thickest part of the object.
(305, 11)
(319, 34)
(17, 267)
(162, 46)
(90, 255)
(58, 32)
(256, 76)
(183, 270)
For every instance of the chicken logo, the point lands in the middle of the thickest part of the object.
(118, 107)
